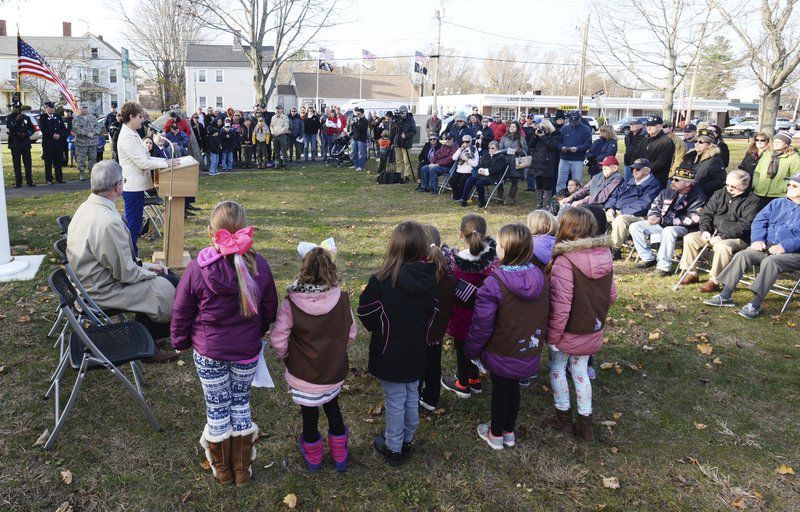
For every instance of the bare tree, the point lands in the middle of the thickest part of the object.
(773, 51)
(657, 41)
(158, 35)
(507, 70)
(289, 25)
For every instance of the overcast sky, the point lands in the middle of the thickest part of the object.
(384, 27)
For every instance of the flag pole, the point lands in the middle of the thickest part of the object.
(361, 80)
(316, 100)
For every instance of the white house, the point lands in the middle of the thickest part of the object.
(91, 68)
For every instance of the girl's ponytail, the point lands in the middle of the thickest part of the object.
(475, 242)
(248, 306)
(473, 229)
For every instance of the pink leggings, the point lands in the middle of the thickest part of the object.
(580, 379)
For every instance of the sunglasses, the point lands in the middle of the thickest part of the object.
(700, 142)
(762, 140)
(677, 180)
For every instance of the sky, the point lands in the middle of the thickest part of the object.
(384, 27)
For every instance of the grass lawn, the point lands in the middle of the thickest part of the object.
(690, 432)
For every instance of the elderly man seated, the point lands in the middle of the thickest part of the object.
(599, 189)
(775, 247)
(99, 249)
(725, 225)
(630, 202)
(672, 215)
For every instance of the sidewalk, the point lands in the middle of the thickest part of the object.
(43, 189)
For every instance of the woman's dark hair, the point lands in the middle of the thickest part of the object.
(408, 242)
(516, 242)
(473, 229)
(318, 268)
(517, 135)
(130, 109)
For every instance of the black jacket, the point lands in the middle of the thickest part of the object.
(423, 155)
(399, 318)
(496, 164)
(228, 139)
(405, 126)
(659, 150)
(311, 125)
(633, 142)
(544, 155)
(213, 143)
(730, 216)
(711, 173)
(749, 163)
(199, 134)
(20, 129)
(725, 153)
(359, 130)
(675, 210)
(51, 125)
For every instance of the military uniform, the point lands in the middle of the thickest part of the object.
(86, 132)
(53, 131)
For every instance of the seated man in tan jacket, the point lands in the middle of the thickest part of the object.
(99, 249)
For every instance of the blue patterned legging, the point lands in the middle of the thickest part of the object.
(226, 390)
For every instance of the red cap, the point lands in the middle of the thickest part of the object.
(609, 160)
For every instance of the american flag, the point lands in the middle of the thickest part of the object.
(368, 59)
(325, 56)
(30, 62)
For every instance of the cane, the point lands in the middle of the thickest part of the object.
(694, 262)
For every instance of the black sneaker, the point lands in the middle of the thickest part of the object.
(407, 449)
(393, 458)
(452, 384)
(646, 264)
(427, 406)
(616, 254)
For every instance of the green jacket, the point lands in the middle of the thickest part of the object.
(788, 164)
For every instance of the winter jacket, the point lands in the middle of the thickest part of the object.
(458, 133)
(472, 269)
(520, 147)
(311, 125)
(591, 257)
(213, 142)
(724, 153)
(778, 224)
(228, 139)
(182, 125)
(633, 145)
(710, 173)
(427, 153)
(405, 126)
(317, 304)
(51, 125)
(296, 126)
(444, 155)
(597, 191)
(498, 129)
(399, 318)
(205, 314)
(20, 130)
(730, 215)
(333, 125)
(544, 153)
(496, 166)
(680, 152)
(600, 149)
(788, 163)
(466, 159)
(750, 161)
(526, 283)
(543, 248)
(433, 125)
(359, 129)
(659, 150)
(675, 211)
(579, 136)
(199, 131)
(632, 199)
(180, 140)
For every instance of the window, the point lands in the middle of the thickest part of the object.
(13, 75)
(202, 101)
(114, 101)
(95, 53)
(219, 76)
(219, 102)
(95, 76)
(112, 75)
(201, 75)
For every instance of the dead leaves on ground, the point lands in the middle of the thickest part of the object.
(611, 482)
(290, 500)
(66, 476)
(42, 439)
(784, 469)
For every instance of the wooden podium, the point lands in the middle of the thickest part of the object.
(175, 184)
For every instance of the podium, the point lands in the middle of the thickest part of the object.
(174, 185)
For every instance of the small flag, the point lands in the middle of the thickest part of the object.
(368, 59)
(465, 292)
(325, 56)
(421, 63)
(30, 62)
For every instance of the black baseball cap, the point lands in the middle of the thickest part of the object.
(640, 163)
(654, 120)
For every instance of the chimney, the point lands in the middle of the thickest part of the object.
(66, 29)
(3, 28)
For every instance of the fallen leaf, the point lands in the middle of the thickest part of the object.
(606, 366)
(269, 465)
(24, 319)
(611, 482)
(290, 500)
(448, 455)
(653, 336)
(717, 361)
(700, 426)
(376, 410)
(783, 469)
(205, 464)
(791, 324)
(614, 450)
(439, 411)
(705, 349)
(64, 507)
(617, 415)
(66, 476)
(369, 420)
(42, 438)
(185, 496)
(181, 363)
(608, 423)
(617, 368)
(647, 347)
(738, 503)
(758, 495)
(648, 315)
(2, 369)
(602, 506)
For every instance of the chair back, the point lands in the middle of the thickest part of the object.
(60, 283)
(63, 223)
(60, 248)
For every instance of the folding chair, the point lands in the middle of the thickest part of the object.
(778, 289)
(694, 264)
(497, 185)
(95, 347)
(153, 209)
(446, 182)
(63, 224)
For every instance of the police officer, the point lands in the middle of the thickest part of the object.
(20, 132)
(85, 129)
(53, 133)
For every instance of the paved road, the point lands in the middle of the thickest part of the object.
(43, 189)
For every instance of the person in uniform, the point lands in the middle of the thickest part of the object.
(20, 132)
(53, 133)
(85, 129)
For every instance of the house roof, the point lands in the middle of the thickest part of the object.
(332, 85)
(220, 55)
(58, 46)
(286, 90)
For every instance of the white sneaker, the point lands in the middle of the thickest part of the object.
(426, 406)
(485, 433)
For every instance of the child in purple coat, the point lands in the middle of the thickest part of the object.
(508, 330)
(223, 306)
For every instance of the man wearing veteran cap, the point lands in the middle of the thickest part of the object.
(658, 148)
(630, 202)
(675, 212)
(600, 187)
(774, 246)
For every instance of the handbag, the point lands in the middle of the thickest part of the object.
(523, 162)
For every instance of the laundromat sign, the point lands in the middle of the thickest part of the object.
(573, 107)
(521, 99)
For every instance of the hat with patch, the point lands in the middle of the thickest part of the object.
(574, 116)
(689, 128)
(685, 174)
(654, 120)
(640, 163)
(706, 135)
(49, 104)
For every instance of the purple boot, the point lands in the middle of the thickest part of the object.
(339, 450)
(312, 453)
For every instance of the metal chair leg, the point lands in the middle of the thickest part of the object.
(70, 404)
(691, 267)
(56, 324)
(789, 297)
(137, 396)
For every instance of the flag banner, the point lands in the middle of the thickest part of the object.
(31, 63)
(325, 58)
(368, 59)
(421, 63)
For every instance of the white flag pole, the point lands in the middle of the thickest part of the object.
(8, 265)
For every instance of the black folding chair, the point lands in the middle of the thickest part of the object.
(498, 186)
(153, 209)
(94, 347)
(63, 224)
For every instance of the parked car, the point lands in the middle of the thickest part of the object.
(592, 123)
(742, 119)
(623, 126)
(783, 123)
(745, 128)
(4, 131)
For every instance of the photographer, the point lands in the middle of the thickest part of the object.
(543, 148)
(20, 134)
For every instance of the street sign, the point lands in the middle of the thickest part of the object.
(126, 71)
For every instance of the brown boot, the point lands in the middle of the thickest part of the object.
(562, 421)
(218, 454)
(709, 287)
(583, 428)
(243, 453)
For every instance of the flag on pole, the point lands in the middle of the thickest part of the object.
(682, 106)
(31, 63)
(325, 56)
(421, 63)
(368, 59)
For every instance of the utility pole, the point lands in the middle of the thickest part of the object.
(694, 81)
(439, 18)
(583, 64)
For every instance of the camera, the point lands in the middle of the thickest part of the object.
(539, 131)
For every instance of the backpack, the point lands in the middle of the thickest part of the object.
(389, 178)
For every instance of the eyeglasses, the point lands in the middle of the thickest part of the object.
(677, 180)
(762, 140)
(700, 142)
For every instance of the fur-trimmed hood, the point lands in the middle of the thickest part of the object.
(467, 262)
(709, 153)
(581, 244)
(590, 255)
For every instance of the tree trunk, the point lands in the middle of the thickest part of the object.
(768, 113)
(667, 105)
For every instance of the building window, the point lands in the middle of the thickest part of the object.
(95, 54)
(219, 102)
(201, 75)
(202, 101)
(112, 75)
(114, 101)
(13, 75)
(219, 76)
(95, 76)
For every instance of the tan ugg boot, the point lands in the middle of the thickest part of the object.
(243, 453)
(218, 451)
(562, 421)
